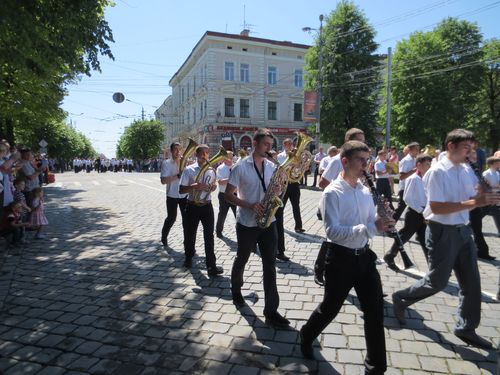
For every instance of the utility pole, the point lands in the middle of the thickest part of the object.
(142, 114)
(320, 82)
(388, 114)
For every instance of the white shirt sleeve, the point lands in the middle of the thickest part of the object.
(434, 186)
(332, 170)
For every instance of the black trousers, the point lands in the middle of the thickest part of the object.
(195, 215)
(293, 193)
(172, 204)
(224, 207)
(248, 237)
(401, 206)
(414, 223)
(316, 174)
(384, 188)
(476, 223)
(344, 271)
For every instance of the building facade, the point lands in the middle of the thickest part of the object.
(230, 85)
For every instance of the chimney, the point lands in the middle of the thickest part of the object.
(245, 32)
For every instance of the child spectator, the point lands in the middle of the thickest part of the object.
(11, 224)
(19, 197)
(37, 218)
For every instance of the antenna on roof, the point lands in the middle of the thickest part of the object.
(246, 26)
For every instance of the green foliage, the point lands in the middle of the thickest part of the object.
(141, 140)
(437, 77)
(349, 73)
(45, 44)
(63, 141)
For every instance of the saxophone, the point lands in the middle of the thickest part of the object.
(384, 211)
(273, 199)
(207, 174)
(301, 158)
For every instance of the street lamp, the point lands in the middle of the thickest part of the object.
(319, 81)
(118, 97)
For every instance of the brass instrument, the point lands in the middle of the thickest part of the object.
(429, 150)
(301, 158)
(273, 199)
(207, 175)
(190, 149)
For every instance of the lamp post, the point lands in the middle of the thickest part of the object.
(319, 81)
(118, 97)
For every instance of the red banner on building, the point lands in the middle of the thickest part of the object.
(310, 98)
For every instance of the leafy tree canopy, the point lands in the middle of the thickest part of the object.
(141, 140)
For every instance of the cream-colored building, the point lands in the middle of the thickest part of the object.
(230, 85)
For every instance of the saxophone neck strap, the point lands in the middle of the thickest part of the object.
(261, 177)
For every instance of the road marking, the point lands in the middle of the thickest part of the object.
(112, 182)
(96, 183)
(77, 184)
(56, 185)
(147, 186)
(144, 179)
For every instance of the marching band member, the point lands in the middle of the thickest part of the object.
(250, 178)
(406, 169)
(223, 172)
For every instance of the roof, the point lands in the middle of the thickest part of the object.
(240, 37)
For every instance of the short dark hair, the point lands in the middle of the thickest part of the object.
(174, 145)
(458, 135)
(382, 152)
(19, 179)
(201, 147)
(492, 160)
(351, 147)
(423, 158)
(261, 133)
(351, 133)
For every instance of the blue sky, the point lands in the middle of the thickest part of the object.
(154, 37)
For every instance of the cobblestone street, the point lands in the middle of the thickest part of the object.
(100, 295)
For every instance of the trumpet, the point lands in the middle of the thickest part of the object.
(206, 174)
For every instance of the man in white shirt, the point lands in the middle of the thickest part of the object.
(334, 166)
(350, 220)
(451, 194)
(415, 199)
(223, 172)
(492, 177)
(317, 160)
(383, 184)
(406, 169)
(250, 178)
(199, 209)
(170, 176)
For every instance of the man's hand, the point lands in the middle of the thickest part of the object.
(487, 199)
(258, 208)
(384, 224)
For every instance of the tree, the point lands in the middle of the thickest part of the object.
(490, 95)
(349, 71)
(437, 76)
(141, 140)
(45, 44)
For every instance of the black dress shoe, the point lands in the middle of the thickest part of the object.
(276, 320)
(486, 256)
(188, 263)
(399, 309)
(389, 260)
(299, 230)
(283, 257)
(305, 347)
(215, 271)
(219, 235)
(238, 300)
(472, 338)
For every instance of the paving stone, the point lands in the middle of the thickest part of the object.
(24, 368)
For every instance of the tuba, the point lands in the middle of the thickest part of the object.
(207, 175)
(274, 192)
(429, 150)
(301, 158)
(190, 149)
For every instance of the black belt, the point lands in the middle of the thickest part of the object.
(199, 204)
(449, 225)
(346, 250)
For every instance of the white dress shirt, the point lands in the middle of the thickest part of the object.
(414, 193)
(406, 165)
(223, 172)
(381, 169)
(348, 214)
(333, 169)
(446, 182)
(492, 177)
(282, 156)
(188, 178)
(170, 168)
(249, 187)
(324, 162)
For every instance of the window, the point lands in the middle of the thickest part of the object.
(245, 108)
(188, 90)
(201, 110)
(194, 84)
(271, 75)
(229, 107)
(271, 110)
(244, 72)
(297, 112)
(194, 114)
(205, 107)
(298, 78)
(229, 71)
(182, 95)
